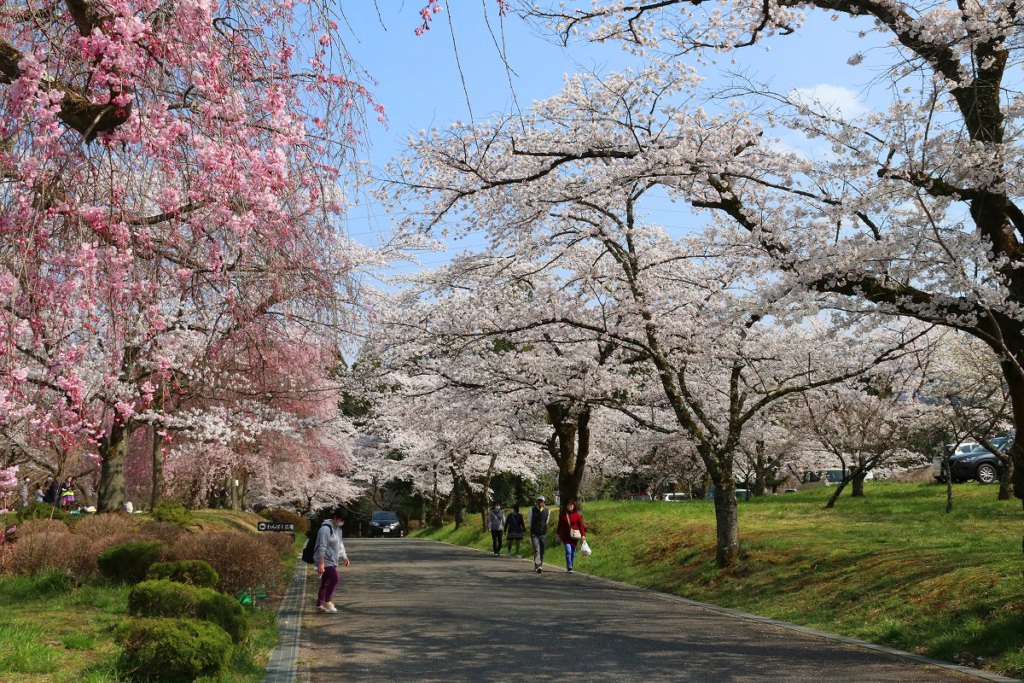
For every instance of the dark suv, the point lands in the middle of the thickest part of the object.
(978, 463)
(385, 524)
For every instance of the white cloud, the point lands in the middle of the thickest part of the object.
(833, 99)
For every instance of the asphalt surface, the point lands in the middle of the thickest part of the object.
(413, 610)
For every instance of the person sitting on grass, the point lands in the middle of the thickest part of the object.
(329, 551)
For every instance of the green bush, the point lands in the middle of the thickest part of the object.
(242, 561)
(286, 517)
(173, 649)
(129, 562)
(170, 599)
(172, 513)
(41, 511)
(192, 572)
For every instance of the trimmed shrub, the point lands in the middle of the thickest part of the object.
(41, 511)
(192, 572)
(283, 543)
(172, 513)
(101, 526)
(241, 561)
(286, 517)
(173, 649)
(129, 562)
(162, 531)
(42, 526)
(170, 599)
(100, 544)
(49, 552)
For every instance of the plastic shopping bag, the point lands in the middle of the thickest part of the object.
(584, 548)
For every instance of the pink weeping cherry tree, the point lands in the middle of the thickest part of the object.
(171, 185)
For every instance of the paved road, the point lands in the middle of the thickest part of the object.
(413, 610)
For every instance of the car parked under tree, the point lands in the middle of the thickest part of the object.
(977, 463)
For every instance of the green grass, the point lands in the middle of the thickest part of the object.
(890, 568)
(52, 632)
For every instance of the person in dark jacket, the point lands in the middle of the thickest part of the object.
(538, 525)
(515, 527)
(570, 532)
(496, 524)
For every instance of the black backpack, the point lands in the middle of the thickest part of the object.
(310, 547)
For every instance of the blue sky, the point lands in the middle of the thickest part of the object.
(419, 81)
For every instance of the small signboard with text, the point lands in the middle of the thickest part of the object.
(275, 526)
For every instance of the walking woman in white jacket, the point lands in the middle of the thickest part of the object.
(496, 525)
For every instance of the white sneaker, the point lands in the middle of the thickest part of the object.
(330, 607)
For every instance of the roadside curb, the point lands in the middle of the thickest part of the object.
(806, 630)
(283, 660)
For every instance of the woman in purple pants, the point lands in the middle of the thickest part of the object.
(329, 551)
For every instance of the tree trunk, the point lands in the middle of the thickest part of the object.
(1015, 384)
(702, 487)
(423, 512)
(857, 485)
(949, 483)
(485, 499)
(113, 451)
(727, 523)
(760, 465)
(1005, 480)
(838, 492)
(156, 491)
(438, 520)
(459, 494)
(569, 446)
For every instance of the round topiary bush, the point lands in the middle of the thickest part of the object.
(170, 599)
(173, 649)
(41, 511)
(192, 572)
(129, 562)
(172, 513)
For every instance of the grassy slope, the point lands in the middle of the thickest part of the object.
(52, 634)
(891, 568)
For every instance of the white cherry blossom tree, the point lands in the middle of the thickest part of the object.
(559, 192)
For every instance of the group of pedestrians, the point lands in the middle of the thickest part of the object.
(57, 492)
(329, 550)
(513, 528)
